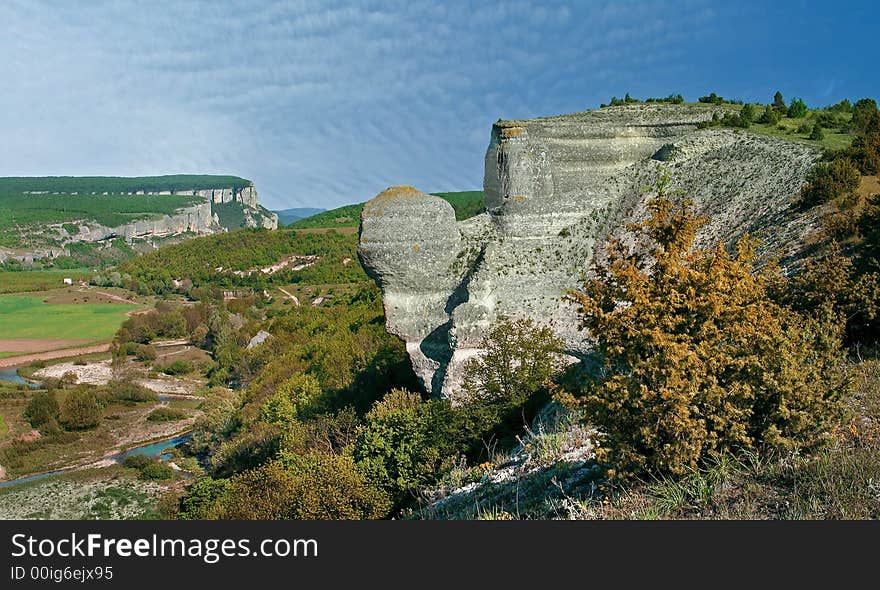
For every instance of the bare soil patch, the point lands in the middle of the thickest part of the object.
(37, 344)
(26, 359)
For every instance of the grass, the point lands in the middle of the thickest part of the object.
(29, 281)
(17, 210)
(28, 317)
(466, 204)
(832, 140)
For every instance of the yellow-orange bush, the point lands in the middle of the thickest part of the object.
(695, 358)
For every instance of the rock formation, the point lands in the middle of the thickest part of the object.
(555, 189)
(197, 219)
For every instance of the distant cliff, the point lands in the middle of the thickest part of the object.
(49, 214)
(555, 189)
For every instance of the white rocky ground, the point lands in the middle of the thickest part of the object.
(101, 372)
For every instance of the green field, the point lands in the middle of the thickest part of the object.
(788, 129)
(29, 317)
(28, 281)
(466, 204)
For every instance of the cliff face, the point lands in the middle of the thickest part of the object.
(195, 219)
(218, 209)
(555, 189)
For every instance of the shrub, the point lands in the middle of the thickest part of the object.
(797, 109)
(292, 398)
(833, 281)
(816, 134)
(747, 113)
(863, 111)
(42, 409)
(178, 367)
(201, 498)
(711, 99)
(80, 410)
(136, 461)
(314, 487)
(865, 149)
(828, 181)
(258, 444)
(695, 359)
(145, 352)
(127, 391)
(155, 470)
(770, 116)
(166, 415)
(401, 447)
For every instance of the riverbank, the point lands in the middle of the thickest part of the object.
(113, 493)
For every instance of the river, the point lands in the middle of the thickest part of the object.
(152, 450)
(12, 376)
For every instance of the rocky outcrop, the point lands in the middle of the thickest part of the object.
(196, 219)
(206, 215)
(555, 189)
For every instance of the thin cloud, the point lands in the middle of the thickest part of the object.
(324, 102)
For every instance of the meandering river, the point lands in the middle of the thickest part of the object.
(155, 449)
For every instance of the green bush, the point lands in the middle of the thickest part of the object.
(314, 487)
(178, 367)
(816, 134)
(402, 446)
(42, 409)
(770, 116)
(863, 111)
(828, 181)
(711, 99)
(127, 391)
(80, 410)
(201, 498)
(136, 461)
(166, 415)
(145, 352)
(695, 358)
(156, 471)
(797, 109)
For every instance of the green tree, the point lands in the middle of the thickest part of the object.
(520, 358)
(747, 113)
(696, 360)
(816, 134)
(779, 103)
(42, 409)
(797, 109)
(80, 410)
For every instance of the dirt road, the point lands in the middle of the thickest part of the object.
(26, 359)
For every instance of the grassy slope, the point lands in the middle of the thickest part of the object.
(466, 204)
(29, 317)
(199, 258)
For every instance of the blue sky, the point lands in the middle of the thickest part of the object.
(324, 103)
